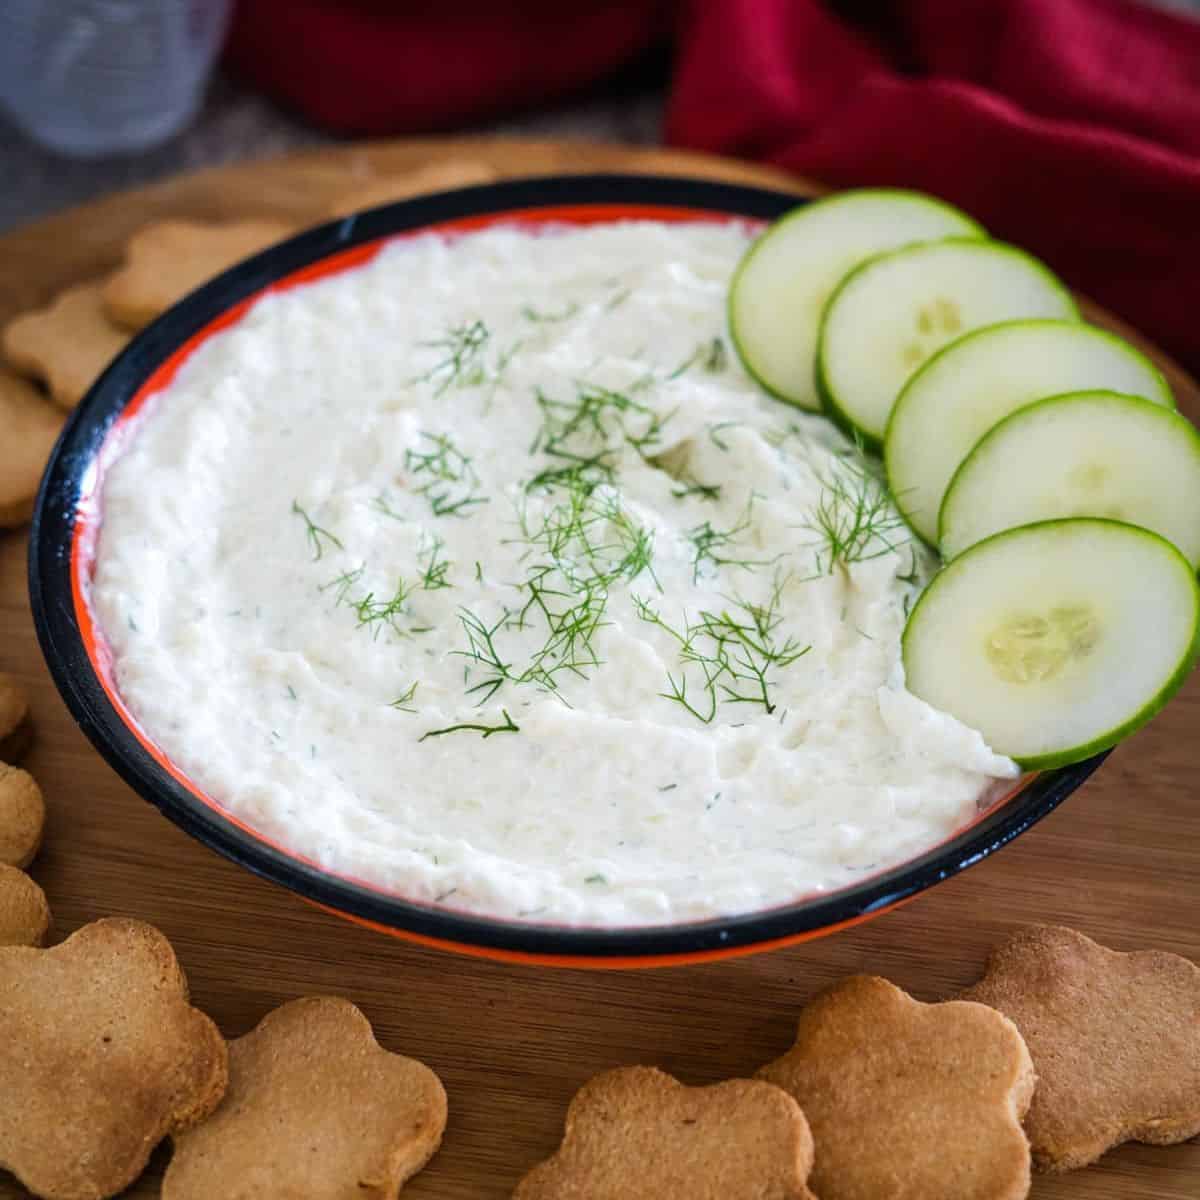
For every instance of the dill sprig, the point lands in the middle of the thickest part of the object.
(734, 650)
(404, 700)
(433, 574)
(596, 418)
(509, 726)
(451, 485)
(855, 519)
(343, 583)
(580, 547)
(315, 533)
(711, 544)
(715, 430)
(375, 612)
(463, 348)
(709, 356)
(482, 650)
(689, 486)
(544, 317)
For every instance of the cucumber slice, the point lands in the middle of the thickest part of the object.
(1056, 640)
(959, 394)
(896, 309)
(1086, 454)
(783, 281)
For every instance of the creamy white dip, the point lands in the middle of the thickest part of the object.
(346, 543)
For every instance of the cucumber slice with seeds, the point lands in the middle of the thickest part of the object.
(1086, 454)
(959, 394)
(895, 310)
(1056, 640)
(785, 278)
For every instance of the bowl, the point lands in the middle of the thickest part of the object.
(62, 542)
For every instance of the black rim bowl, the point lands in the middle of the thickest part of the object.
(58, 630)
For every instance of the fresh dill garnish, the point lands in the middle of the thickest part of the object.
(463, 347)
(540, 317)
(291, 692)
(449, 479)
(714, 430)
(777, 437)
(597, 878)
(911, 577)
(478, 571)
(433, 575)
(710, 356)
(577, 549)
(374, 612)
(713, 545)
(734, 650)
(617, 299)
(404, 700)
(596, 419)
(384, 505)
(716, 358)
(581, 471)
(344, 582)
(669, 787)
(482, 650)
(315, 533)
(693, 487)
(855, 519)
(509, 726)
(444, 895)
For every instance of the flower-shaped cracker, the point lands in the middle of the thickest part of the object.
(24, 913)
(22, 816)
(909, 1101)
(636, 1131)
(67, 344)
(167, 259)
(315, 1109)
(16, 732)
(101, 1056)
(1115, 1039)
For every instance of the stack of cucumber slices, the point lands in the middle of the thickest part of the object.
(1043, 458)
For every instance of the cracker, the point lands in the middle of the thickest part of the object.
(101, 1056)
(315, 1109)
(16, 728)
(66, 344)
(907, 1100)
(1115, 1039)
(636, 1131)
(24, 913)
(29, 427)
(434, 177)
(22, 816)
(167, 260)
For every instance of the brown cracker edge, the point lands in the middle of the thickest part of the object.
(67, 344)
(22, 816)
(615, 1125)
(167, 259)
(286, 1078)
(16, 724)
(24, 912)
(1054, 1150)
(29, 427)
(54, 1006)
(878, 1040)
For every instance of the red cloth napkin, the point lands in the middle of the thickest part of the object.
(1069, 126)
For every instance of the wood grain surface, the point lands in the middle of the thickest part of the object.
(1120, 860)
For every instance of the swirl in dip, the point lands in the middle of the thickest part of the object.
(485, 574)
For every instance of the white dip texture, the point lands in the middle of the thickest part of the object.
(485, 574)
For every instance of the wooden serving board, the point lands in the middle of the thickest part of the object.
(1120, 860)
